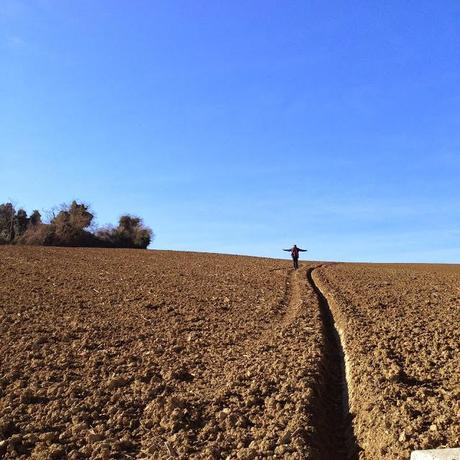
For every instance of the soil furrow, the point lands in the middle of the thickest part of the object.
(333, 420)
(399, 327)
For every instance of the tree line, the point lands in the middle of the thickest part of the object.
(70, 225)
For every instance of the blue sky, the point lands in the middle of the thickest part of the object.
(241, 127)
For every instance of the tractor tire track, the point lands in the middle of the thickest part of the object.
(333, 419)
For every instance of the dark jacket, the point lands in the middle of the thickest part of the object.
(295, 251)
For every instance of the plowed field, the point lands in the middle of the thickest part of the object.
(149, 354)
(400, 330)
(157, 355)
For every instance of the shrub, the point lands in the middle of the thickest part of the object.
(39, 235)
(7, 214)
(130, 233)
(70, 226)
(35, 218)
(21, 221)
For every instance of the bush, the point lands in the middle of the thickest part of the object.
(21, 221)
(7, 214)
(68, 227)
(35, 218)
(38, 235)
(71, 227)
(130, 233)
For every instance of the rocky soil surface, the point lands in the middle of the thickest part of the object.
(152, 354)
(400, 330)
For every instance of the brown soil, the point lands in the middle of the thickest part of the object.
(400, 330)
(153, 354)
(150, 354)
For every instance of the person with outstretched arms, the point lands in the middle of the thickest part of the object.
(295, 255)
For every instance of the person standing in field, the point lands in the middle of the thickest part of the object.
(295, 255)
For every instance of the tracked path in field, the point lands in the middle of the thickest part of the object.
(288, 310)
(333, 421)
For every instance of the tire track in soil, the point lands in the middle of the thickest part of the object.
(244, 355)
(333, 420)
(287, 310)
(293, 299)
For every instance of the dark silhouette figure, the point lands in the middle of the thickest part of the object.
(295, 255)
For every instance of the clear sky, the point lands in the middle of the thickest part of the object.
(241, 126)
